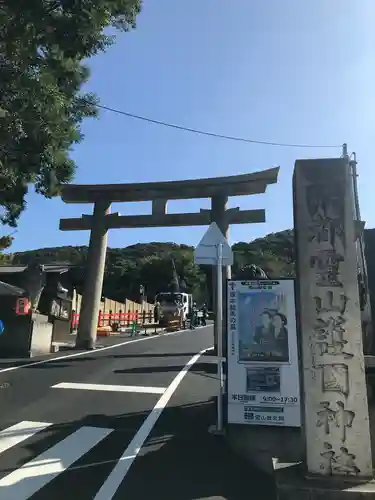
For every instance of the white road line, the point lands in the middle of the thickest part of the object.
(20, 432)
(31, 477)
(91, 353)
(110, 388)
(109, 488)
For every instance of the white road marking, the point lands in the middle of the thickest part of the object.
(109, 488)
(20, 432)
(91, 353)
(22, 483)
(111, 388)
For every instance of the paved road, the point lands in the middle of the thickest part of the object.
(128, 421)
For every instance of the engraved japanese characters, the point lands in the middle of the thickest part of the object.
(334, 384)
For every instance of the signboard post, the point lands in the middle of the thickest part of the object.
(214, 250)
(263, 374)
(219, 322)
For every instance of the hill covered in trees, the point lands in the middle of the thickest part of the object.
(151, 264)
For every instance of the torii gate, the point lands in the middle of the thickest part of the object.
(103, 195)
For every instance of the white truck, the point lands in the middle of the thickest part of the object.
(174, 306)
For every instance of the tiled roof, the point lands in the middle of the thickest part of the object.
(49, 268)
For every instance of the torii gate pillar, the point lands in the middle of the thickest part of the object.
(88, 320)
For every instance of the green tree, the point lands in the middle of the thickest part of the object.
(43, 46)
(5, 242)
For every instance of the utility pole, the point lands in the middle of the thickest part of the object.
(367, 336)
(357, 216)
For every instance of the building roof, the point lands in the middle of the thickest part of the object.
(6, 289)
(49, 268)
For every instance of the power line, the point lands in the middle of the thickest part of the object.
(211, 134)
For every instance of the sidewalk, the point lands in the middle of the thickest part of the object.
(183, 461)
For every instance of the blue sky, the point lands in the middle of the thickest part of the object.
(286, 71)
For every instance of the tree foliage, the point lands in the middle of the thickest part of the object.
(127, 268)
(274, 254)
(5, 243)
(150, 264)
(43, 44)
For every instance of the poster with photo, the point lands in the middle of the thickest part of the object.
(263, 326)
(263, 375)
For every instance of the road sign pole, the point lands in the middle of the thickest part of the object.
(219, 329)
(214, 250)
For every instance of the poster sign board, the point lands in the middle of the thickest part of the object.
(263, 374)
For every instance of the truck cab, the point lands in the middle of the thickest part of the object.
(173, 306)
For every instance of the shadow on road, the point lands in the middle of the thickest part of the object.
(66, 362)
(33, 363)
(193, 464)
(154, 355)
(210, 368)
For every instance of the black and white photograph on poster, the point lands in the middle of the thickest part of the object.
(262, 367)
(263, 379)
(263, 326)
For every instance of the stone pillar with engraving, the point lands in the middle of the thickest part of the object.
(336, 419)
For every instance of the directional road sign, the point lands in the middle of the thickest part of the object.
(207, 250)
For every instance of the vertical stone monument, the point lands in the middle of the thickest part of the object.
(336, 419)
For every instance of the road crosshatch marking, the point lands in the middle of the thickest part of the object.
(25, 481)
(110, 388)
(20, 432)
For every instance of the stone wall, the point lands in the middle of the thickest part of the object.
(41, 335)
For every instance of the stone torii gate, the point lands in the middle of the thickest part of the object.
(103, 195)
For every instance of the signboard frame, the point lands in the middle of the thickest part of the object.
(263, 384)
